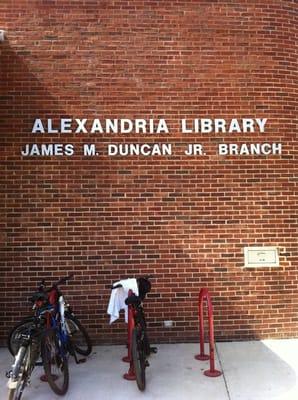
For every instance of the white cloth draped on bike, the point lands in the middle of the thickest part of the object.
(118, 297)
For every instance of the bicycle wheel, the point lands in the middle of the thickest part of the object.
(139, 357)
(78, 335)
(13, 339)
(17, 382)
(54, 362)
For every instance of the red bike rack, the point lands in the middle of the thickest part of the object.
(130, 374)
(204, 295)
(130, 323)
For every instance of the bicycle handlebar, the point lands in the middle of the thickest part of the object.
(146, 277)
(116, 287)
(61, 281)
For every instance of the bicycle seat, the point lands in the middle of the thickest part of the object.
(38, 296)
(144, 286)
(133, 300)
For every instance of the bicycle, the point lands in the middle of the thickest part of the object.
(58, 329)
(27, 355)
(55, 345)
(140, 347)
(80, 339)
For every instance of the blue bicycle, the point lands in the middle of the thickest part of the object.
(79, 336)
(55, 345)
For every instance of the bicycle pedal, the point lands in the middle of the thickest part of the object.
(38, 363)
(147, 363)
(153, 350)
(81, 361)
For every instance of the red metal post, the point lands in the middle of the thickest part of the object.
(212, 372)
(129, 332)
(130, 374)
(202, 356)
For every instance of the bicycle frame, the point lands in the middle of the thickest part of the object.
(25, 358)
(57, 307)
(61, 311)
(58, 323)
(138, 343)
(55, 311)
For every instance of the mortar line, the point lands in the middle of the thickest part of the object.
(223, 373)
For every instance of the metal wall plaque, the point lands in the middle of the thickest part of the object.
(266, 256)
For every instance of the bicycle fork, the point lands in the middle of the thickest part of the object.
(66, 334)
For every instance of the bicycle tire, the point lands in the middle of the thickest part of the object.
(139, 357)
(55, 363)
(16, 392)
(79, 337)
(12, 343)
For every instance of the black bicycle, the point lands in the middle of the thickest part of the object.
(140, 346)
(80, 339)
(54, 358)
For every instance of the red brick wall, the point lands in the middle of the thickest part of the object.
(184, 219)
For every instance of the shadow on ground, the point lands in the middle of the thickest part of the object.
(252, 370)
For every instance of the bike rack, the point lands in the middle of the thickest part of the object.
(130, 374)
(130, 323)
(204, 295)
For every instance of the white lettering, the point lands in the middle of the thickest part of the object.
(276, 148)
(162, 127)
(38, 126)
(126, 126)
(184, 127)
(206, 125)
(140, 125)
(81, 125)
(219, 125)
(66, 125)
(96, 126)
(222, 149)
(143, 126)
(246, 149)
(46, 150)
(68, 150)
(194, 149)
(136, 149)
(112, 125)
(261, 123)
(50, 127)
(234, 126)
(248, 125)
(89, 150)
(112, 149)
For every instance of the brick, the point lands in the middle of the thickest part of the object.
(183, 219)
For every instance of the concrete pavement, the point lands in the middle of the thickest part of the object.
(257, 370)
